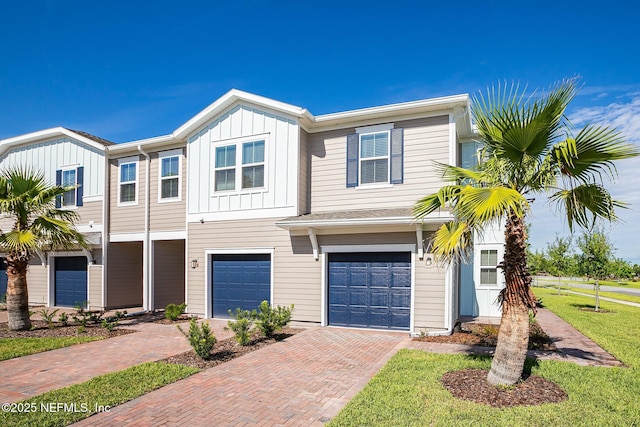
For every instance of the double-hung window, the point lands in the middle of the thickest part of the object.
(240, 166)
(489, 267)
(375, 155)
(71, 178)
(170, 175)
(128, 181)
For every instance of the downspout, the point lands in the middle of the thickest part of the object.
(147, 291)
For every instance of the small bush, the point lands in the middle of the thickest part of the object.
(109, 325)
(269, 319)
(48, 316)
(173, 311)
(200, 337)
(242, 327)
(63, 318)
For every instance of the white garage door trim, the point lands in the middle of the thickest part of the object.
(208, 255)
(324, 259)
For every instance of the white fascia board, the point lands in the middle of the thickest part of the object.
(387, 112)
(227, 100)
(296, 224)
(149, 144)
(45, 134)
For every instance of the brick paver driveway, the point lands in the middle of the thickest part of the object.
(304, 380)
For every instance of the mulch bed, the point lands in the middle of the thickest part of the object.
(471, 384)
(228, 349)
(40, 329)
(487, 336)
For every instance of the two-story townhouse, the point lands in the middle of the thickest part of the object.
(254, 199)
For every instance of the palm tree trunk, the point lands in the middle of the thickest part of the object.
(17, 294)
(516, 299)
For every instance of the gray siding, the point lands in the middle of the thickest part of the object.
(168, 272)
(166, 216)
(425, 140)
(124, 275)
(296, 273)
(126, 219)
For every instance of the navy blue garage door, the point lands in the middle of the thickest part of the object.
(370, 290)
(3, 280)
(242, 281)
(70, 281)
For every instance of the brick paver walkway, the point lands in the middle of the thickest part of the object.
(38, 373)
(304, 380)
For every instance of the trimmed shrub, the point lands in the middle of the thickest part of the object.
(200, 337)
(173, 311)
(269, 319)
(242, 327)
(48, 316)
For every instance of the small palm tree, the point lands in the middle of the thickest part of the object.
(27, 199)
(528, 149)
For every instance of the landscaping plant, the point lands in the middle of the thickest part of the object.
(63, 318)
(200, 337)
(48, 316)
(269, 319)
(173, 311)
(242, 327)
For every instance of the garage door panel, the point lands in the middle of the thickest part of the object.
(70, 281)
(370, 290)
(240, 281)
(3, 279)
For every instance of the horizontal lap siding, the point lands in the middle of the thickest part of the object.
(296, 273)
(126, 219)
(425, 140)
(90, 211)
(168, 272)
(37, 282)
(166, 216)
(124, 274)
(95, 286)
(303, 182)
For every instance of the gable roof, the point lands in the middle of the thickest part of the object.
(97, 139)
(57, 132)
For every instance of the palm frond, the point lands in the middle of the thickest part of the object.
(586, 203)
(428, 204)
(480, 206)
(451, 241)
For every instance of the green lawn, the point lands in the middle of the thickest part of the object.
(553, 281)
(99, 393)
(17, 347)
(614, 295)
(407, 391)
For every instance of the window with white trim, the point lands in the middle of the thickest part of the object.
(489, 267)
(374, 157)
(249, 173)
(71, 177)
(128, 179)
(69, 180)
(169, 175)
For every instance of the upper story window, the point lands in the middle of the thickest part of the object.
(489, 267)
(170, 175)
(248, 173)
(128, 181)
(70, 177)
(375, 155)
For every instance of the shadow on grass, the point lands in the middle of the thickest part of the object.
(529, 362)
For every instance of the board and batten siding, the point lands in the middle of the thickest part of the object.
(51, 155)
(429, 295)
(296, 273)
(166, 215)
(128, 218)
(425, 140)
(281, 162)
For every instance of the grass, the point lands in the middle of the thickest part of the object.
(614, 295)
(553, 281)
(407, 391)
(99, 393)
(17, 347)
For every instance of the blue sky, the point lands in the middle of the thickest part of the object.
(131, 70)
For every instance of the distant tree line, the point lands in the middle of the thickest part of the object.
(593, 255)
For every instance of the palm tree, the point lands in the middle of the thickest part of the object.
(529, 148)
(27, 199)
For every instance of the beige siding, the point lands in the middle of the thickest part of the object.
(168, 272)
(91, 211)
(126, 219)
(303, 177)
(38, 282)
(166, 216)
(124, 275)
(296, 273)
(95, 287)
(429, 281)
(425, 140)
